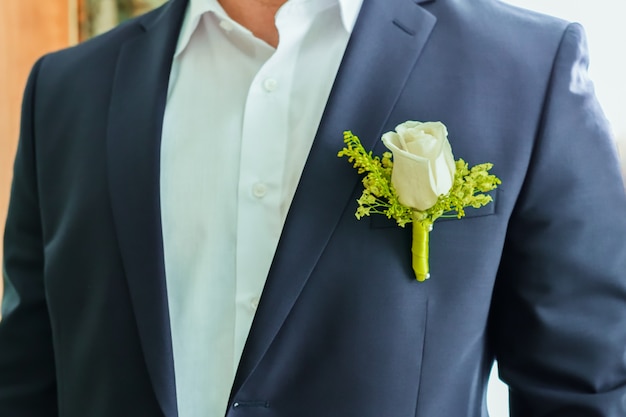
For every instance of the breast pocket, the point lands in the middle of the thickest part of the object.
(379, 221)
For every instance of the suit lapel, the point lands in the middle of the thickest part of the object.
(133, 145)
(385, 45)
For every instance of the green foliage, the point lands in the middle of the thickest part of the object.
(380, 197)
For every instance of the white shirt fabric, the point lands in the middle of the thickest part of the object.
(239, 123)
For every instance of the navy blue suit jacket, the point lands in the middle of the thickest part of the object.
(537, 279)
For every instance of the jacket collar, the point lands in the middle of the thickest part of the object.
(133, 155)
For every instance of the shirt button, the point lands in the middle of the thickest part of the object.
(270, 84)
(254, 303)
(226, 25)
(259, 190)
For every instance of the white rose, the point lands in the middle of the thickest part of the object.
(423, 165)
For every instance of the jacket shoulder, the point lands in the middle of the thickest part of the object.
(500, 25)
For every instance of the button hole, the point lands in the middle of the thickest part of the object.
(404, 28)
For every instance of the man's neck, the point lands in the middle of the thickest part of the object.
(257, 16)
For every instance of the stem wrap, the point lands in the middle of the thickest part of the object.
(419, 251)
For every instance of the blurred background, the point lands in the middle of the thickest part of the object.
(98, 16)
(30, 28)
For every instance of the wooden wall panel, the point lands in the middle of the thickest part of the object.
(28, 29)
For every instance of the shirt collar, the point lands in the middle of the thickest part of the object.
(349, 10)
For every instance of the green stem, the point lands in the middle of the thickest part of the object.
(419, 251)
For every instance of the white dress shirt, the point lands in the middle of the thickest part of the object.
(239, 123)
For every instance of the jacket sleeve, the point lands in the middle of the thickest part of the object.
(559, 310)
(27, 369)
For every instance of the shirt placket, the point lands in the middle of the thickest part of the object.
(264, 151)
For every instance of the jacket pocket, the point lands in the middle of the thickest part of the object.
(378, 221)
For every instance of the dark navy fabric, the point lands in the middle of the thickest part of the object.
(537, 281)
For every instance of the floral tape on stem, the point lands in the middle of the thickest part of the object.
(419, 251)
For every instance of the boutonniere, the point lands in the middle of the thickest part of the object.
(417, 182)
